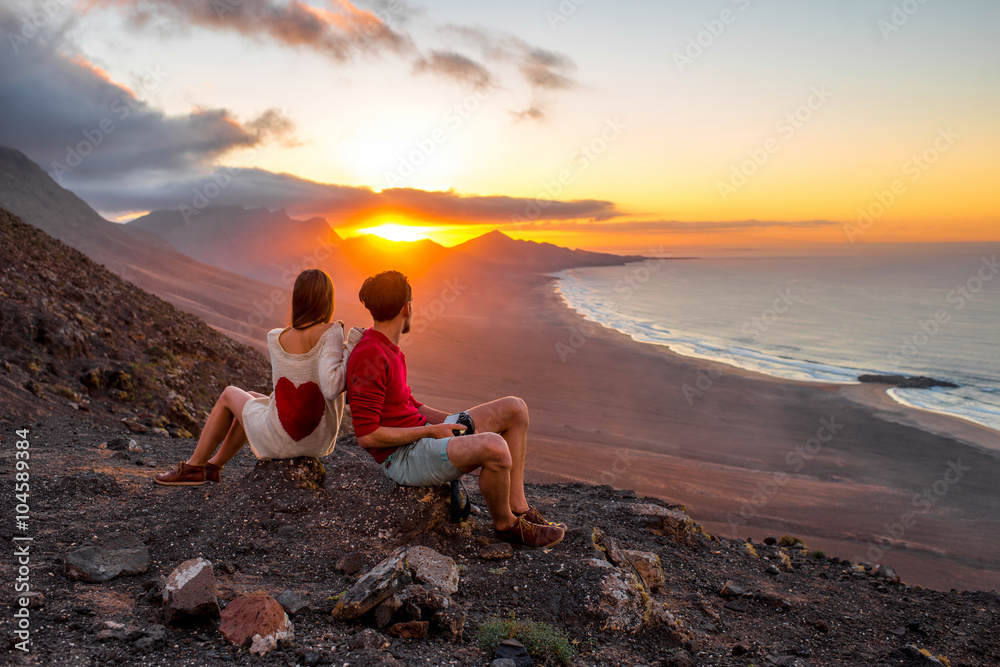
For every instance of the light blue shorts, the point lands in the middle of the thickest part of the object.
(423, 463)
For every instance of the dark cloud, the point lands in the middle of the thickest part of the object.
(454, 66)
(72, 119)
(671, 226)
(340, 204)
(340, 32)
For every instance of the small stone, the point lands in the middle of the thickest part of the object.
(135, 426)
(29, 599)
(385, 610)
(647, 564)
(772, 569)
(409, 630)
(899, 632)
(730, 590)
(309, 657)
(679, 659)
(227, 568)
(822, 626)
(739, 649)
(369, 639)
(515, 651)
(292, 603)
(450, 623)
(503, 662)
(770, 541)
(350, 563)
(886, 572)
(379, 583)
(739, 605)
(496, 551)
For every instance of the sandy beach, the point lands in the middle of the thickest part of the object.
(843, 467)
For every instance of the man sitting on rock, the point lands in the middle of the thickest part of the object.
(414, 443)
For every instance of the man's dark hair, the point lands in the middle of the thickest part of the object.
(385, 294)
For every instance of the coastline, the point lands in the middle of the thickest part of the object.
(612, 411)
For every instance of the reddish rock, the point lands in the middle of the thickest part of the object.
(258, 620)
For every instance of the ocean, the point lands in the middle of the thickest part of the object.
(899, 309)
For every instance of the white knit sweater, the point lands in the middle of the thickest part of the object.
(302, 415)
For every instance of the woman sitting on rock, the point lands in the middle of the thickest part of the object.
(302, 416)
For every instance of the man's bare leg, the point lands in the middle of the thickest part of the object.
(489, 452)
(508, 417)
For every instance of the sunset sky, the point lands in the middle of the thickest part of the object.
(651, 124)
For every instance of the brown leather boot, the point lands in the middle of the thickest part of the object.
(185, 475)
(213, 473)
(531, 535)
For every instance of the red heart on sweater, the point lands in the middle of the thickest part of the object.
(300, 409)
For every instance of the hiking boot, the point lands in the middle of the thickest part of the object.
(213, 473)
(534, 516)
(185, 475)
(531, 535)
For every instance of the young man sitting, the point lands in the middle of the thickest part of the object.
(414, 443)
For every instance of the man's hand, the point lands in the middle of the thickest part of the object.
(445, 430)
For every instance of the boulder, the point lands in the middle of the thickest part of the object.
(402, 567)
(622, 603)
(381, 582)
(432, 568)
(190, 593)
(118, 554)
(450, 623)
(647, 565)
(258, 620)
(671, 522)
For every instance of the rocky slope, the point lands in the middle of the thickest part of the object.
(717, 602)
(225, 300)
(74, 336)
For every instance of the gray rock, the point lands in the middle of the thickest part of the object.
(369, 639)
(119, 554)
(432, 568)
(503, 662)
(514, 651)
(623, 604)
(292, 603)
(730, 590)
(378, 584)
(910, 656)
(385, 610)
(135, 426)
(189, 592)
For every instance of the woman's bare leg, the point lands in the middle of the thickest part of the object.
(235, 438)
(227, 412)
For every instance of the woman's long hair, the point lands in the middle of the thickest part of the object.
(312, 299)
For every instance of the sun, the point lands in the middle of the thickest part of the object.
(392, 231)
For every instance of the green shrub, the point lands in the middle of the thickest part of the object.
(540, 639)
(791, 541)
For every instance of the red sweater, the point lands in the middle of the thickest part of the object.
(377, 390)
